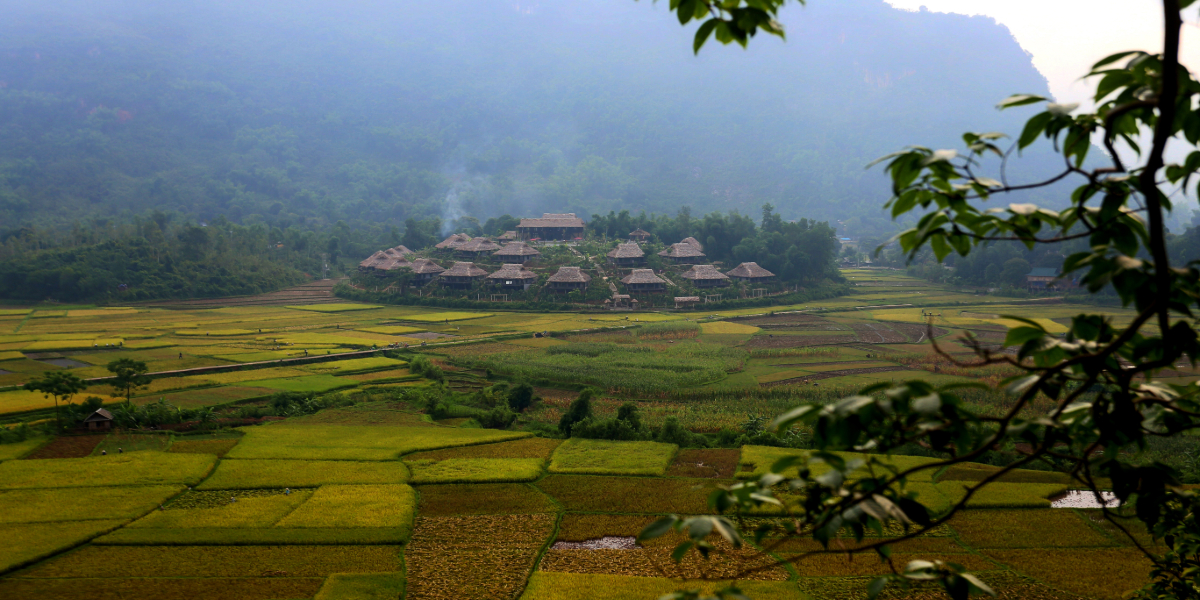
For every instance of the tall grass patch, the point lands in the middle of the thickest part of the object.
(603, 457)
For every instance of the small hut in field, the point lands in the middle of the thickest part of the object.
(424, 270)
(644, 280)
(569, 278)
(512, 276)
(454, 241)
(462, 275)
(628, 254)
(100, 420)
(750, 272)
(682, 253)
(516, 252)
(704, 276)
(479, 247)
(639, 235)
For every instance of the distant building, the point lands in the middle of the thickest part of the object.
(1044, 277)
(462, 275)
(387, 260)
(686, 301)
(513, 275)
(551, 226)
(100, 420)
(424, 270)
(516, 252)
(704, 276)
(695, 243)
(479, 247)
(628, 254)
(683, 253)
(639, 235)
(508, 236)
(568, 278)
(750, 272)
(644, 280)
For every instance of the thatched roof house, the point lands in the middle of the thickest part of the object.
(644, 280)
(552, 226)
(518, 252)
(639, 235)
(682, 253)
(387, 260)
(686, 301)
(508, 236)
(454, 241)
(626, 254)
(513, 275)
(694, 242)
(100, 420)
(462, 274)
(569, 278)
(705, 276)
(478, 247)
(750, 271)
(424, 270)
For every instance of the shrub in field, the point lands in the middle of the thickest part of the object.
(356, 442)
(580, 409)
(362, 586)
(603, 457)
(350, 506)
(481, 470)
(482, 499)
(421, 365)
(27, 543)
(580, 586)
(134, 468)
(261, 511)
(641, 495)
(283, 473)
(73, 504)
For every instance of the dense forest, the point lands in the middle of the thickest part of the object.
(306, 113)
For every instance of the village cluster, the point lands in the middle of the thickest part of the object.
(521, 266)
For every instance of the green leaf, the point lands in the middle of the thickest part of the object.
(680, 551)
(658, 528)
(702, 34)
(1112, 58)
(876, 587)
(1017, 336)
(1020, 100)
(1033, 128)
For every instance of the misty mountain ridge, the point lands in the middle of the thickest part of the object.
(305, 113)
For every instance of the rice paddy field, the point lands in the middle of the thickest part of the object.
(380, 501)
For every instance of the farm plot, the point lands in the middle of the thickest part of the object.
(72, 504)
(473, 557)
(19, 449)
(134, 468)
(205, 562)
(262, 474)
(655, 560)
(634, 495)
(579, 586)
(476, 470)
(26, 543)
(523, 448)
(601, 457)
(247, 511)
(482, 499)
(355, 506)
(350, 442)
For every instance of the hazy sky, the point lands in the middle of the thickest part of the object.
(1066, 37)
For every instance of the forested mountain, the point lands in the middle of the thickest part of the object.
(303, 113)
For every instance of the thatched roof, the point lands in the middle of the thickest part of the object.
(386, 260)
(570, 275)
(639, 232)
(516, 249)
(513, 271)
(370, 261)
(703, 272)
(100, 414)
(454, 241)
(464, 269)
(693, 241)
(681, 250)
(627, 250)
(401, 249)
(643, 276)
(553, 220)
(424, 266)
(508, 235)
(687, 298)
(479, 244)
(749, 270)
